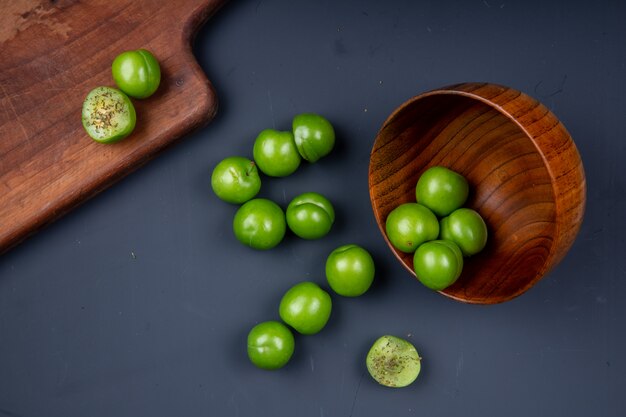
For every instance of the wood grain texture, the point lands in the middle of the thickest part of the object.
(525, 174)
(52, 53)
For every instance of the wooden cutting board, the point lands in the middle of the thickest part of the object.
(52, 53)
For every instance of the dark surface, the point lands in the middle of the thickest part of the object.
(139, 302)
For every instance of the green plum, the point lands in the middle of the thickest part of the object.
(310, 215)
(314, 136)
(438, 264)
(441, 190)
(260, 224)
(235, 180)
(409, 225)
(275, 153)
(466, 228)
(270, 345)
(137, 73)
(306, 307)
(350, 270)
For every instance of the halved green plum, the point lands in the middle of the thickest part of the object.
(108, 115)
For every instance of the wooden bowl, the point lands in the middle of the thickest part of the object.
(525, 174)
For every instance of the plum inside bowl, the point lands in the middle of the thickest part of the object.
(525, 174)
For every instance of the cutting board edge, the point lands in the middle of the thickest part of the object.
(53, 212)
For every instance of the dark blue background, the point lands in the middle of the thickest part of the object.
(138, 303)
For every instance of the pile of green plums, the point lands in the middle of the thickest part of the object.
(260, 223)
(436, 228)
(306, 307)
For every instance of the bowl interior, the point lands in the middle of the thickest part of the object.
(509, 186)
